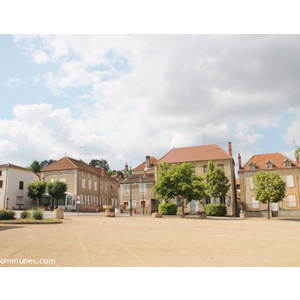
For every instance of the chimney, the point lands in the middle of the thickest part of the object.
(229, 148)
(126, 171)
(102, 170)
(240, 161)
(147, 162)
(297, 158)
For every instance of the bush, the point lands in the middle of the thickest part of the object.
(167, 208)
(7, 215)
(38, 214)
(215, 209)
(25, 214)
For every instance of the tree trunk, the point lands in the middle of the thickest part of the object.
(268, 210)
(182, 203)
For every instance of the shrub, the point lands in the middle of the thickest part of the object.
(25, 214)
(215, 209)
(38, 214)
(167, 208)
(7, 215)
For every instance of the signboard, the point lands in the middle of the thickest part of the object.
(78, 199)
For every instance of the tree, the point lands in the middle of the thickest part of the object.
(216, 183)
(96, 163)
(35, 166)
(57, 190)
(36, 190)
(121, 173)
(180, 181)
(269, 187)
(46, 163)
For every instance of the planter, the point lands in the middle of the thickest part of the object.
(243, 215)
(58, 213)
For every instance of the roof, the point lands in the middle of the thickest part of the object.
(141, 167)
(15, 167)
(68, 163)
(196, 153)
(260, 161)
(136, 178)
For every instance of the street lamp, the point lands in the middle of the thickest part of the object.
(130, 191)
(141, 180)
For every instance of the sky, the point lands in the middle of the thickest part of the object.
(122, 97)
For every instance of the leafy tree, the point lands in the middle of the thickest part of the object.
(180, 181)
(36, 190)
(46, 163)
(57, 190)
(35, 166)
(269, 187)
(216, 183)
(100, 163)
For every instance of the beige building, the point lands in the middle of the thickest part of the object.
(14, 182)
(91, 186)
(138, 187)
(288, 170)
(199, 156)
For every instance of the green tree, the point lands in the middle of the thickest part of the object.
(100, 163)
(46, 163)
(36, 190)
(180, 181)
(35, 166)
(269, 187)
(57, 190)
(216, 183)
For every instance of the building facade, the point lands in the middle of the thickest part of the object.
(289, 171)
(137, 188)
(14, 182)
(199, 156)
(90, 186)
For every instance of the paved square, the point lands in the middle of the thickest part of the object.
(142, 241)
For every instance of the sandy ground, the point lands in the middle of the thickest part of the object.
(143, 241)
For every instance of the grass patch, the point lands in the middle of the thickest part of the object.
(31, 221)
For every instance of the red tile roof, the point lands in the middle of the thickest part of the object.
(260, 161)
(67, 163)
(196, 153)
(141, 167)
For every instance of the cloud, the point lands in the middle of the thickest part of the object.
(144, 94)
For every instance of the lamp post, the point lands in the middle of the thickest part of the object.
(141, 180)
(130, 199)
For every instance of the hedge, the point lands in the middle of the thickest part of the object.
(7, 215)
(215, 209)
(167, 208)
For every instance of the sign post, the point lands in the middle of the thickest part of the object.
(78, 202)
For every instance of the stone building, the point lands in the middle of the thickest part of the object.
(138, 187)
(199, 156)
(91, 186)
(289, 171)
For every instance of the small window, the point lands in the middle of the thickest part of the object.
(204, 169)
(269, 166)
(63, 173)
(287, 164)
(221, 166)
(251, 183)
(95, 186)
(1, 184)
(90, 184)
(83, 183)
(63, 179)
(125, 189)
(0, 173)
(53, 173)
(292, 201)
(252, 167)
(21, 185)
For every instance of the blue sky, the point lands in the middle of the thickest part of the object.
(122, 97)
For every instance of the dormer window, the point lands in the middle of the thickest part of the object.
(269, 164)
(287, 163)
(252, 165)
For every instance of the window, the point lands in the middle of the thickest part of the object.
(21, 185)
(125, 189)
(143, 204)
(251, 183)
(255, 203)
(252, 167)
(1, 184)
(222, 200)
(83, 174)
(204, 169)
(63, 173)
(63, 179)
(95, 186)
(142, 188)
(221, 166)
(53, 174)
(207, 201)
(287, 164)
(290, 181)
(292, 200)
(0, 173)
(269, 166)
(90, 185)
(83, 183)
